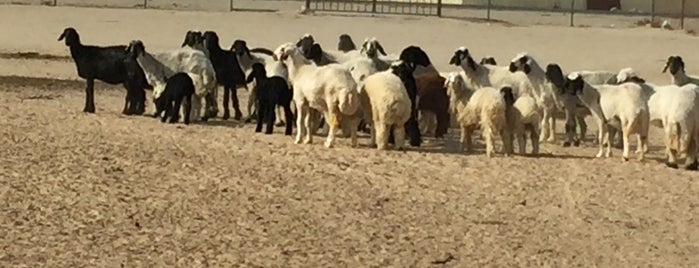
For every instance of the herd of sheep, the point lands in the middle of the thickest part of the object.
(397, 97)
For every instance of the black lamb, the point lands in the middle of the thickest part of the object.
(106, 64)
(179, 89)
(271, 91)
(404, 70)
(346, 44)
(229, 74)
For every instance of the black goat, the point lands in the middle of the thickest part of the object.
(228, 72)
(346, 44)
(193, 38)
(179, 89)
(271, 91)
(415, 55)
(404, 70)
(105, 64)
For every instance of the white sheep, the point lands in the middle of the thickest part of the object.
(523, 116)
(484, 107)
(679, 77)
(160, 66)
(329, 89)
(605, 102)
(386, 107)
(676, 110)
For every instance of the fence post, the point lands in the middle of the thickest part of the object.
(55, 2)
(682, 14)
(373, 6)
(652, 11)
(572, 13)
(488, 15)
(230, 5)
(439, 8)
(145, 4)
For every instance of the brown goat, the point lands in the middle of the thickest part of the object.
(433, 97)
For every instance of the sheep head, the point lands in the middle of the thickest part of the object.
(521, 62)
(675, 64)
(211, 41)
(305, 42)
(460, 55)
(554, 74)
(240, 47)
(371, 46)
(283, 51)
(402, 69)
(258, 71)
(574, 84)
(415, 55)
(508, 95)
(314, 53)
(71, 37)
(629, 75)
(488, 60)
(192, 38)
(136, 48)
(345, 44)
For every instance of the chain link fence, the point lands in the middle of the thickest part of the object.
(671, 14)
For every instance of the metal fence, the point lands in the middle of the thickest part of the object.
(679, 14)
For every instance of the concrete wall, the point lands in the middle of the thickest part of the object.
(662, 6)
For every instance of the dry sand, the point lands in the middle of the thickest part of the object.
(105, 190)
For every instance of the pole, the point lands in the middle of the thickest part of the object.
(572, 13)
(652, 11)
(439, 8)
(145, 4)
(489, 5)
(682, 14)
(230, 5)
(55, 2)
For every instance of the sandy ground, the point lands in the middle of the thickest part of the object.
(105, 190)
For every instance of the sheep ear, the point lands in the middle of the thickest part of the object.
(527, 68)
(455, 60)
(513, 67)
(667, 64)
(380, 48)
(637, 79)
(63, 35)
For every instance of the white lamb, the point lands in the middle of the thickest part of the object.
(386, 107)
(523, 116)
(160, 66)
(484, 107)
(329, 89)
(606, 102)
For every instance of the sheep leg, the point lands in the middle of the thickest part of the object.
(90, 96)
(269, 117)
(570, 126)
(236, 103)
(488, 136)
(552, 128)
(413, 130)
(333, 124)
(288, 116)
(372, 139)
(535, 140)
(196, 108)
(226, 95)
(140, 100)
(544, 126)
(693, 149)
(381, 136)
(522, 142)
(626, 136)
(583, 130)
(399, 137)
(187, 109)
(507, 142)
(301, 119)
(281, 113)
(128, 103)
(251, 103)
(176, 111)
(354, 124)
(167, 111)
(261, 114)
(669, 141)
(465, 139)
